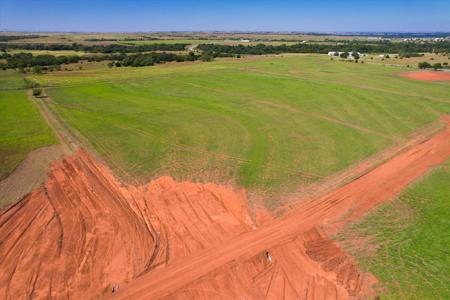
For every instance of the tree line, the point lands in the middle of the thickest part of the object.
(37, 63)
(5, 38)
(436, 66)
(113, 48)
(354, 46)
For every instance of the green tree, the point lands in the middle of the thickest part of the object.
(424, 65)
(437, 66)
(37, 92)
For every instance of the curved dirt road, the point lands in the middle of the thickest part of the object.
(331, 212)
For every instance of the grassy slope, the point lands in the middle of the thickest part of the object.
(260, 121)
(22, 129)
(409, 245)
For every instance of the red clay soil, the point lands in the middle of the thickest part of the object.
(84, 232)
(428, 76)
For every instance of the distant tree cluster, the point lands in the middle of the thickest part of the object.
(39, 63)
(101, 40)
(150, 59)
(6, 38)
(350, 46)
(113, 48)
(436, 66)
(23, 60)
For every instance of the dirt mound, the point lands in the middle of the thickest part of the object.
(428, 76)
(83, 231)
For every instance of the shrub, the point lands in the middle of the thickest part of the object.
(424, 65)
(437, 66)
(37, 92)
(37, 69)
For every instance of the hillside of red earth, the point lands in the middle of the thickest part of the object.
(428, 76)
(84, 234)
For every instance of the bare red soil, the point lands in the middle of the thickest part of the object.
(428, 76)
(84, 232)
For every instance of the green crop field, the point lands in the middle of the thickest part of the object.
(22, 129)
(408, 240)
(268, 124)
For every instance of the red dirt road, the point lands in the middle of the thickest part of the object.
(84, 232)
(428, 76)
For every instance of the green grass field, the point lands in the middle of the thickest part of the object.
(408, 248)
(22, 129)
(267, 124)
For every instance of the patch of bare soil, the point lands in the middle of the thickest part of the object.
(428, 76)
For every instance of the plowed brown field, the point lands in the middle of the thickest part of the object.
(84, 232)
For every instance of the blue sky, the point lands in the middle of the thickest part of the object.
(254, 15)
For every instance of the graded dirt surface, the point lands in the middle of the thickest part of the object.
(83, 233)
(428, 76)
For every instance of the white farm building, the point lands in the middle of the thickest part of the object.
(351, 55)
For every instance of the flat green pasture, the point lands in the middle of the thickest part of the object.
(22, 129)
(408, 241)
(268, 124)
